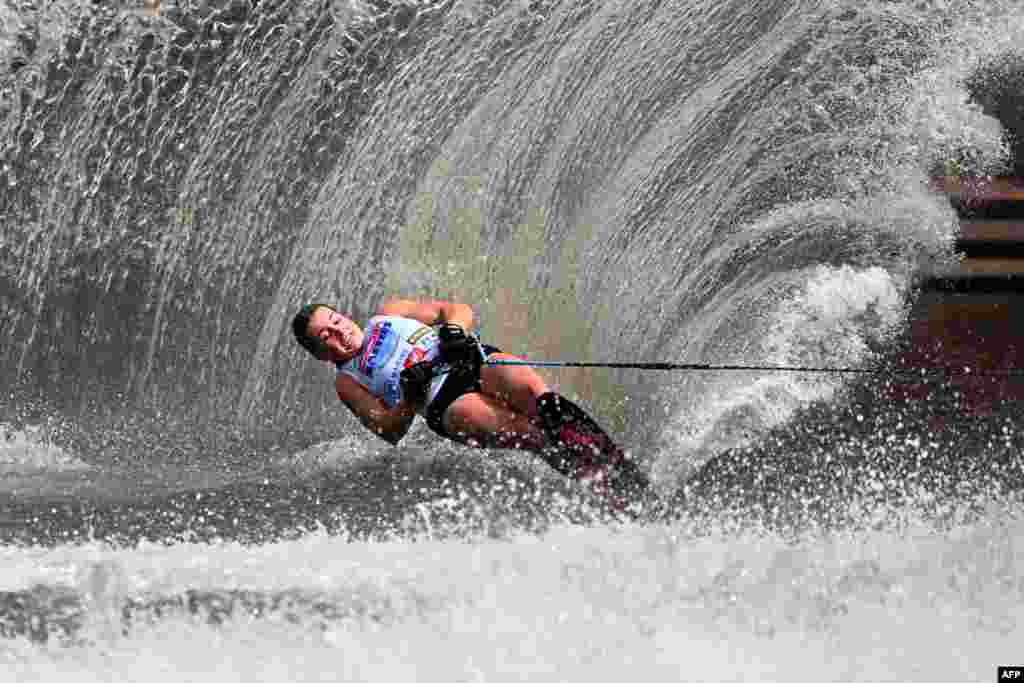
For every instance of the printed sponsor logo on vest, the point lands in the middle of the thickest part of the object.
(415, 356)
(419, 334)
(378, 341)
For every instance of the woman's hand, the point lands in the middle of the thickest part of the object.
(415, 381)
(457, 346)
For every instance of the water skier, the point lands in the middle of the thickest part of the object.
(415, 357)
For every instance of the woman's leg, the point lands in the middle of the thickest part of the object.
(481, 420)
(516, 385)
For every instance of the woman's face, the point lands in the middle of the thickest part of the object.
(340, 336)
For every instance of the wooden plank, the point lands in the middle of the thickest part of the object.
(986, 266)
(992, 231)
(955, 282)
(980, 189)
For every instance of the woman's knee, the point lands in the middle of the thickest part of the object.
(516, 385)
(468, 415)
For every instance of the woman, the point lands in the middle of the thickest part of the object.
(401, 365)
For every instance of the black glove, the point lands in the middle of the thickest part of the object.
(457, 346)
(415, 380)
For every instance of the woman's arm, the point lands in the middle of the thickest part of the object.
(430, 312)
(390, 424)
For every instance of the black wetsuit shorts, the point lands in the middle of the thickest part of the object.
(460, 381)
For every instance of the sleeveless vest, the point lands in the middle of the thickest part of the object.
(392, 344)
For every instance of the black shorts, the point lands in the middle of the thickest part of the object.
(458, 383)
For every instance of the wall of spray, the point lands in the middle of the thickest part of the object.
(649, 181)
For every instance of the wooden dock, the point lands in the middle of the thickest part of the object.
(973, 315)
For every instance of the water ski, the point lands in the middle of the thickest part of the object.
(583, 451)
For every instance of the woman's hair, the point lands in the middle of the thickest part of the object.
(300, 327)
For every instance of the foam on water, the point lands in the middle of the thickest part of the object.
(905, 601)
(30, 460)
(29, 449)
(836, 317)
